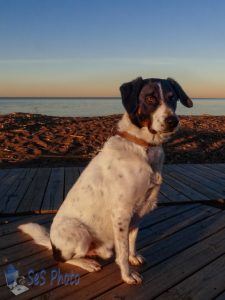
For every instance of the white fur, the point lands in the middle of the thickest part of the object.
(159, 116)
(104, 206)
(161, 91)
(143, 133)
(38, 233)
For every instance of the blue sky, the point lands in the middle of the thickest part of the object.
(90, 47)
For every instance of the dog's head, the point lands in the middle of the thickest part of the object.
(152, 103)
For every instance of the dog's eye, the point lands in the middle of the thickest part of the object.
(150, 99)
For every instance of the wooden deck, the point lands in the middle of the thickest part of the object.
(183, 240)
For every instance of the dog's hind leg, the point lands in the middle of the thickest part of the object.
(85, 263)
(104, 252)
(71, 242)
(70, 239)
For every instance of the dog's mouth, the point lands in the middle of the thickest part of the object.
(153, 131)
(170, 130)
(166, 131)
(170, 125)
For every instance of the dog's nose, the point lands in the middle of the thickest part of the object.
(172, 121)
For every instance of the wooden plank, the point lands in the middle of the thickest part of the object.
(9, 173)
(15, 238)
(173, 224)
(184, 189)
(196, 182)
(164, 213)
(34, 195)
(221, 296)
(162, 198)
(13, 196)
(18, 195)
(5, 220)
(109, 276)
(7, 182)
(46, 263)
(3, 173)
(213, 188)
(42, 185)
(38, 262)
(11, 227)
(54, 194)
(81, 291)
(219, 167)
(168, 273)
(71, 176)
(213, 175)
(172, 194)
(19, 251)
(165, 248)
(213, 171)
(204, 284)
(186, 237)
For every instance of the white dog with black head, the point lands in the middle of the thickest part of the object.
(120, 185)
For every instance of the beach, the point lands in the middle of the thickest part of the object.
(35, 140)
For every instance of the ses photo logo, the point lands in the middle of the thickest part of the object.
(19, 284)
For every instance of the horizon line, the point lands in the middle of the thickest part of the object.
(84, 97)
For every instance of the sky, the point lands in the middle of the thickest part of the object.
(78, 48)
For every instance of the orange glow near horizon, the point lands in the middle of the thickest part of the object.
(95, 90)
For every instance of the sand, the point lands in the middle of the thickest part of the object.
(36, 140)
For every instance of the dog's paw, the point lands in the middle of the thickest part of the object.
(132, 278)
(136, 260)
(91, 265)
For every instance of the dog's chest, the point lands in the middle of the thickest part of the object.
(148, 199)
(155, 156)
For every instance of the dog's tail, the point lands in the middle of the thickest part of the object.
(39, 233)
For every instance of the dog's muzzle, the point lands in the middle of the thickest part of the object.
(171, 122)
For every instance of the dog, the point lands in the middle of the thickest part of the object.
(103, 209)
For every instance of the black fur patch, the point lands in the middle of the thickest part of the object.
(57, 254)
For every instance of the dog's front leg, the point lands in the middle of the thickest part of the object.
(121, 233)
(134, 258)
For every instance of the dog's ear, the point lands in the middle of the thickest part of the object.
(130, 92)
(184, 99)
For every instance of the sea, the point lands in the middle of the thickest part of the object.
(89, 107)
